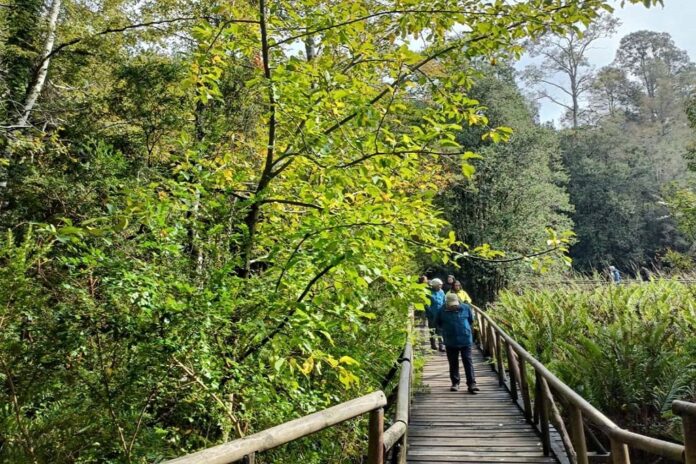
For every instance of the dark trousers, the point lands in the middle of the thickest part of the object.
(453, 353)
(435, 337)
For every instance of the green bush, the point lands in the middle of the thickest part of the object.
(628, 349)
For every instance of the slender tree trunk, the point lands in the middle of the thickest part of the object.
(37, 84)
(33, 91)
(574, 95)
(253, 215)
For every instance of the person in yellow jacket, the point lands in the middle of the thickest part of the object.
(459, 291)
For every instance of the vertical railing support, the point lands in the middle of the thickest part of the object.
(499, 359)
(687, 411)
(619, 453)
(577, 434)
(491, 344)
(375, 446)
(514, 373)
(524, 388)
(543, 409)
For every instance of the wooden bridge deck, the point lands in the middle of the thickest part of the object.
(452, 427)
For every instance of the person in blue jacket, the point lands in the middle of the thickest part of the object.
(615, 275)
(456, 321)
(437, 302)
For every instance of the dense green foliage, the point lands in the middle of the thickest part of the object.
(210, 215)
(628, 349)
(516, 194)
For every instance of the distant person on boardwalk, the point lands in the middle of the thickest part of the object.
(437, 303)
(456, 321)
(615, 275)
(448, 284)
(458, 290)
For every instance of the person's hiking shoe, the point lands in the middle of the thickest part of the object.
(454, 387)
(474, 387)
(473, 390)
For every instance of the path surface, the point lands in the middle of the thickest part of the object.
(458, 427)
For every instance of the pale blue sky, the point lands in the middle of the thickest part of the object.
(678, 17)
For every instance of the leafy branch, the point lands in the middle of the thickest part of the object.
(112, 30)
(289, 315)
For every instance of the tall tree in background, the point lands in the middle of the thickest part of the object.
(648, 56)
(629, 152)
(613, 94)
(516, 193)
(565, 75)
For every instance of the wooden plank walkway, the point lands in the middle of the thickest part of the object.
(452, 427)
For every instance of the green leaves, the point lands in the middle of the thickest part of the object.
(247, 254)
(619, 346)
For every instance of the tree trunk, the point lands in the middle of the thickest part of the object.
(37, 83)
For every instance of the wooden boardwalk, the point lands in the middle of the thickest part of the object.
(452, 427)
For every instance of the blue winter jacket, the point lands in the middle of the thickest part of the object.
(437, 302)
(455, 325)
(616, 276)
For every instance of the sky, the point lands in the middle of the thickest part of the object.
(678, 17)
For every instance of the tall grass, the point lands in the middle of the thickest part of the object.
(628, 349)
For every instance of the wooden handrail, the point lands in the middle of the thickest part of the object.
(284, 433)
(687, 411)
(398, 430)
(579, 407)
(380, 441)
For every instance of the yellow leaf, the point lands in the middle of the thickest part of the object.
(348, 360)
(307, 366)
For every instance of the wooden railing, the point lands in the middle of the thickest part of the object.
(542, 410)
(380, 442)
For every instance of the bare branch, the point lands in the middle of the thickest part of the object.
(559, 87)
(545, 95)
(113, 30)
(290, 202)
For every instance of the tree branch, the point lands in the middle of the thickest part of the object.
(455, 255)
(289, 315)
(308, 235)
(398, 153)
(545, 95)
(375, 15)
(507, 260)
(113, 30)
(192, 375)
(252, 216)
(290, 202)
(553, 84)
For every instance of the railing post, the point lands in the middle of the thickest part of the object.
(619, 452)
(524, 387)
(375, 446)
(512, 364)
(543, 409)
(499, 359)
(577, 434)
(491, 344)
(687, 411)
